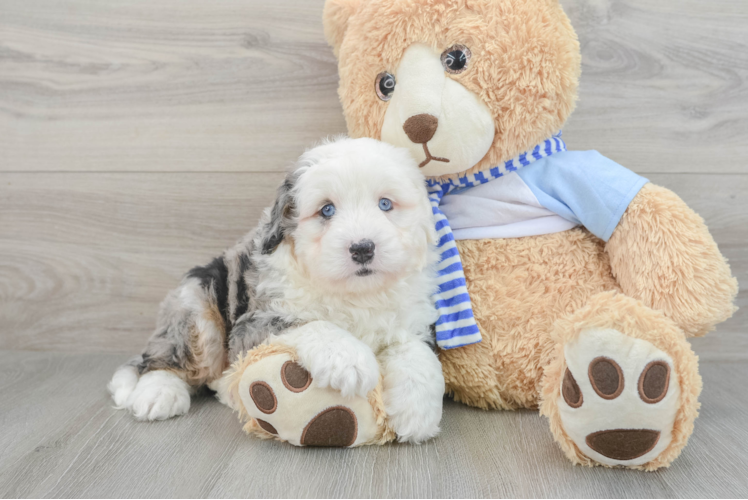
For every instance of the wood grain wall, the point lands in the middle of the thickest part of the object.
(140, 138)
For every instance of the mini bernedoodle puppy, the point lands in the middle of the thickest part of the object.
(341, 268)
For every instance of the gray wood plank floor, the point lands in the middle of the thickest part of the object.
(62, 438)
(140, 138)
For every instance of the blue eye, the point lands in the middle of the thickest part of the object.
(328, 211)
(385, 205)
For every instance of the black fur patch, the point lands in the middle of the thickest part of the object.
(250, 331)
(242, 297)
(282, 216)
(175, 360)
(215, 277)
(431, 341)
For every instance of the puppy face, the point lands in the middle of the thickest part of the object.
(360, 219)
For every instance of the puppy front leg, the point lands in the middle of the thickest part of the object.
(413, 390)
(334, 357)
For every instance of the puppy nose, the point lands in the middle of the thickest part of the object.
(421, 128)
(362, 252)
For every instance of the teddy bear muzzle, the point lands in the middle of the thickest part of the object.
(445, 126)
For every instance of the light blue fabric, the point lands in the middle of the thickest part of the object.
(583, 187)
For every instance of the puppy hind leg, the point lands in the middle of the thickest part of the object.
(159, 395)
(162, 390)
(186, 352)
(124, 381)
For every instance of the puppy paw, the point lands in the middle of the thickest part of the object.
(285, 401)
(159, 395)
(416, 426)
(348, 366)
(413, 391)
(123, 383)
(414, 407)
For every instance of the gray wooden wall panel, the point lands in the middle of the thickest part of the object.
(173, 85)
(237, 85)
(664, 83)
(85, 259)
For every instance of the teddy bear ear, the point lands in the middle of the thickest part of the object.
(335, 19)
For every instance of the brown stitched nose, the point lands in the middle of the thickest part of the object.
(421, 128)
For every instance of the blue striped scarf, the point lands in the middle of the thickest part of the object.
(456, 326)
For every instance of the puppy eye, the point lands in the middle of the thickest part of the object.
(385, 85)
(385, 205)
(328, 211)
(455, 59)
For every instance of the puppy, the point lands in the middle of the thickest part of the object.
(341, 268)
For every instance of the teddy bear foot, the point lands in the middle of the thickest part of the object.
(280, 400)
(619, 397)
(619, 391)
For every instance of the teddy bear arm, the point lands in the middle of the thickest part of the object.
(662, 254)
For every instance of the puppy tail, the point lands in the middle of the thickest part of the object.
(123, 382)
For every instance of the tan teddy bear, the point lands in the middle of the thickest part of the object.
(584, 280)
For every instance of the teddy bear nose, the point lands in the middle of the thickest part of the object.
(421, 128)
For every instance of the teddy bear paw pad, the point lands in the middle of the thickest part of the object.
(618, 398)
(283, 399)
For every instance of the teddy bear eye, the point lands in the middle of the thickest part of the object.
(455, 59)
(385, 85)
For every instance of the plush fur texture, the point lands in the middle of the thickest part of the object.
(425, 97)
(525, 62)
(632, 318)
(663, 254)
(299, 279)
(524, 68)
(228, 391)
(519, 287)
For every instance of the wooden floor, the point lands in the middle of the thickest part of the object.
(62, 438)
(139, 138)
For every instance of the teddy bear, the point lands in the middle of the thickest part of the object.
(569, 284)
(269, 377)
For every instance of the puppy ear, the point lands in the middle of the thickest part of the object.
(335, 19)
(282, 216)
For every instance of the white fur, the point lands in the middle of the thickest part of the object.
(413, 396)
(313, 270)
(122, 384)
(349, 318)
(352, 323)
(159, 395)
(465, 130)
(335, 358)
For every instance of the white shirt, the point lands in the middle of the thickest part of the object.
(553, 194)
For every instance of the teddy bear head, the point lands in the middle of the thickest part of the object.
(463, 84)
